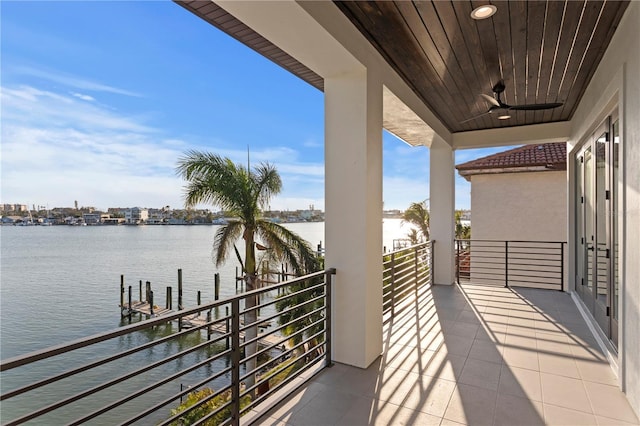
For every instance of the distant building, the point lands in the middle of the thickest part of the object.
(91, 218)
(13, 207)
(136, 216)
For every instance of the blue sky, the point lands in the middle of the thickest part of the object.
(99, 100)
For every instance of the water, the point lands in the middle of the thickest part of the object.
(60, 283)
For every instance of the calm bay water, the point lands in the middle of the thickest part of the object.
(61, 283)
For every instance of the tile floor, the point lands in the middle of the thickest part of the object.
(471, 355)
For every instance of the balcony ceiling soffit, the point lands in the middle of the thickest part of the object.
(544, 51)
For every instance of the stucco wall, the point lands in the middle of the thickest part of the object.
(529, 206)
(616, 82)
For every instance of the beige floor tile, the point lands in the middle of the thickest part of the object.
(471, 405)
(431, 397)
(270, 421)
(564, 392)
(456, 345)
(606, 421)
(481, 374)
(561, 365)
(373, 412)
(297, 401)
(462, 329)
(486, 350)
(520, 382)
(511, 410)
(325, 408)
(521, 357)
(553, 343)
(440, 364)
(596, 371)
(395, 385)
(468, 316)
(550, 327)
(608, 401)
(560, 416)
(447, 422)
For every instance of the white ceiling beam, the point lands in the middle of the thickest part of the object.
(519, 135)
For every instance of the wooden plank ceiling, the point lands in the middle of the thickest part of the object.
(544, 51)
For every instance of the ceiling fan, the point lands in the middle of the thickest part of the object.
(498, 105)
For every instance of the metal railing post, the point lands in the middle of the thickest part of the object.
(561, 266)
(415, 269)
(432, 258)
(506, 263)
(235, 361)
(328, 306)
(393, 283)
(458, 261)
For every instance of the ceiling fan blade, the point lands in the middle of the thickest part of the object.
(535, 107)
(477, 116)
(490, 99)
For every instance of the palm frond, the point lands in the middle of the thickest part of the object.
(224, 239)
(267, 183)
(213, 180)
(288, 247)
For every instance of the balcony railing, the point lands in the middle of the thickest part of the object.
(210, 364)
(404, 272)
(536, 264)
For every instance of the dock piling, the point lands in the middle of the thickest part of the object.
(130, 309)
(140, 291)
(150, 300)
(180, 307)
(169, 301)
(122, 291)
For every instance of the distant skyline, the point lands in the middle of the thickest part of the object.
(100, 99)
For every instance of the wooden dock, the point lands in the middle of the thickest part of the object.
(192, 321)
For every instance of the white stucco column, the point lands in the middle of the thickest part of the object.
(353, 214)
(442, 210)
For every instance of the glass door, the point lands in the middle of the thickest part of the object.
(596, 226)
(601, 252)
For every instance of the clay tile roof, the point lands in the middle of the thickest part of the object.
(551, 156)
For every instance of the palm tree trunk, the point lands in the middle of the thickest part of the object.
(251, 316)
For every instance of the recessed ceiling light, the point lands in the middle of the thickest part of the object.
(504, 117)
(484, 12)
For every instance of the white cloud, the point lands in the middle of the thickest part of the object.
(83, 97)
(57, 148)
(72, 81)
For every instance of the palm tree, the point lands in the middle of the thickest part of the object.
(243, 193)
(418, 215)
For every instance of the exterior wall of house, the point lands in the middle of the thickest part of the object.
(616, 83)
(529, 206)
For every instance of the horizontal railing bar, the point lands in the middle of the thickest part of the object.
(410, 248)
(285, 381)
(284, 311)
(302, 355)
(200, 402)
(286, 296)
(245, 327)
(213, 413)
(183, 392)
(511, 241)
(14, 362)
(284, 339)
(106, 385)
(144, 390)
(301, 331)
(288, 351)
(262, 336)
